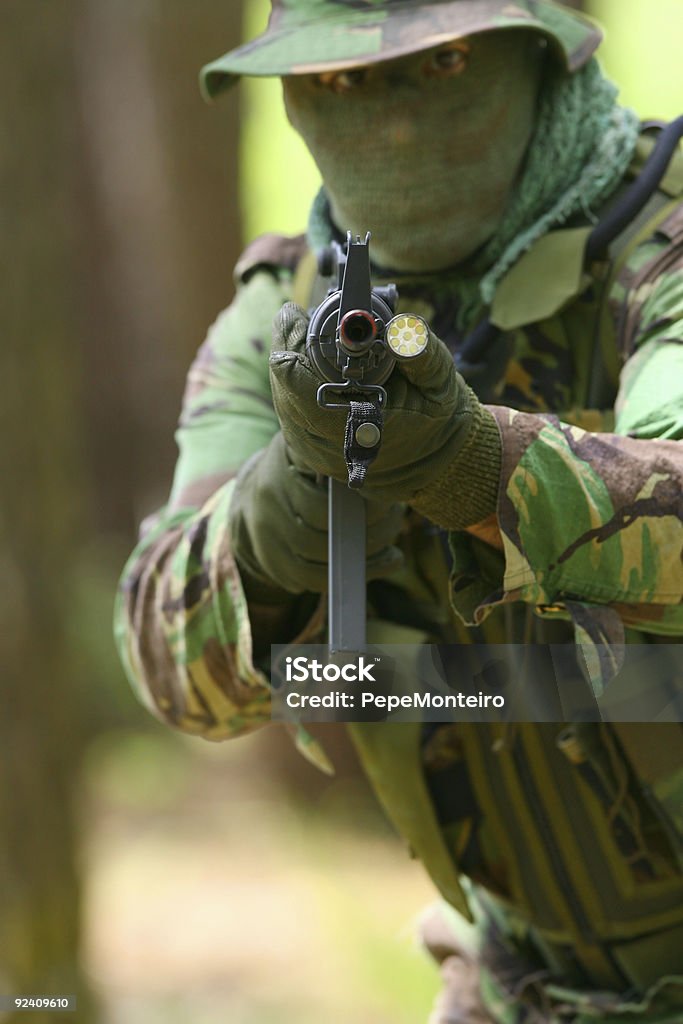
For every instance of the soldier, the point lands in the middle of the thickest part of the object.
(517, 207)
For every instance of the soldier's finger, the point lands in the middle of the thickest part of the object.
(432, 372)
(385, 518)
(290, 328)
(308, 500)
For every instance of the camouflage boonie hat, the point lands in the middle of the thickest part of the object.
(310, 36)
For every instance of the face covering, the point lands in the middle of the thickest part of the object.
(423, 152)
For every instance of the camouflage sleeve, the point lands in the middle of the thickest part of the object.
(182, 625)
(590, 520)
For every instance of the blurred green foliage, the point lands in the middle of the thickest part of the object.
(641, 52)
(278, 177)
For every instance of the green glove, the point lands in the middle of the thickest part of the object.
(440, 452)
(278, 527)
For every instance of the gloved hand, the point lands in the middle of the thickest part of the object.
(278, 527)
(441, 450)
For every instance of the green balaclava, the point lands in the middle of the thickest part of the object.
(423, 151)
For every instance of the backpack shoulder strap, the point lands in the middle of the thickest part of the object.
(645, 207)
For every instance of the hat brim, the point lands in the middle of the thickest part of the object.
(348, 37)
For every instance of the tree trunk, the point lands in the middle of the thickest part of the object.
(163, 233)
(119, 233)
(41, 733)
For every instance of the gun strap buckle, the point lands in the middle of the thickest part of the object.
(362, 438)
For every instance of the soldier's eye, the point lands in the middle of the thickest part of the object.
(448, 60)
(343, 81)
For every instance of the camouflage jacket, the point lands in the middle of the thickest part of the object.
(590, 509)
(590, 500)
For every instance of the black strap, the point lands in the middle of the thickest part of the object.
(483, 358)
(627, 208)
(359, 456)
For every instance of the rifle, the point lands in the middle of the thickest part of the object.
(354, 340)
